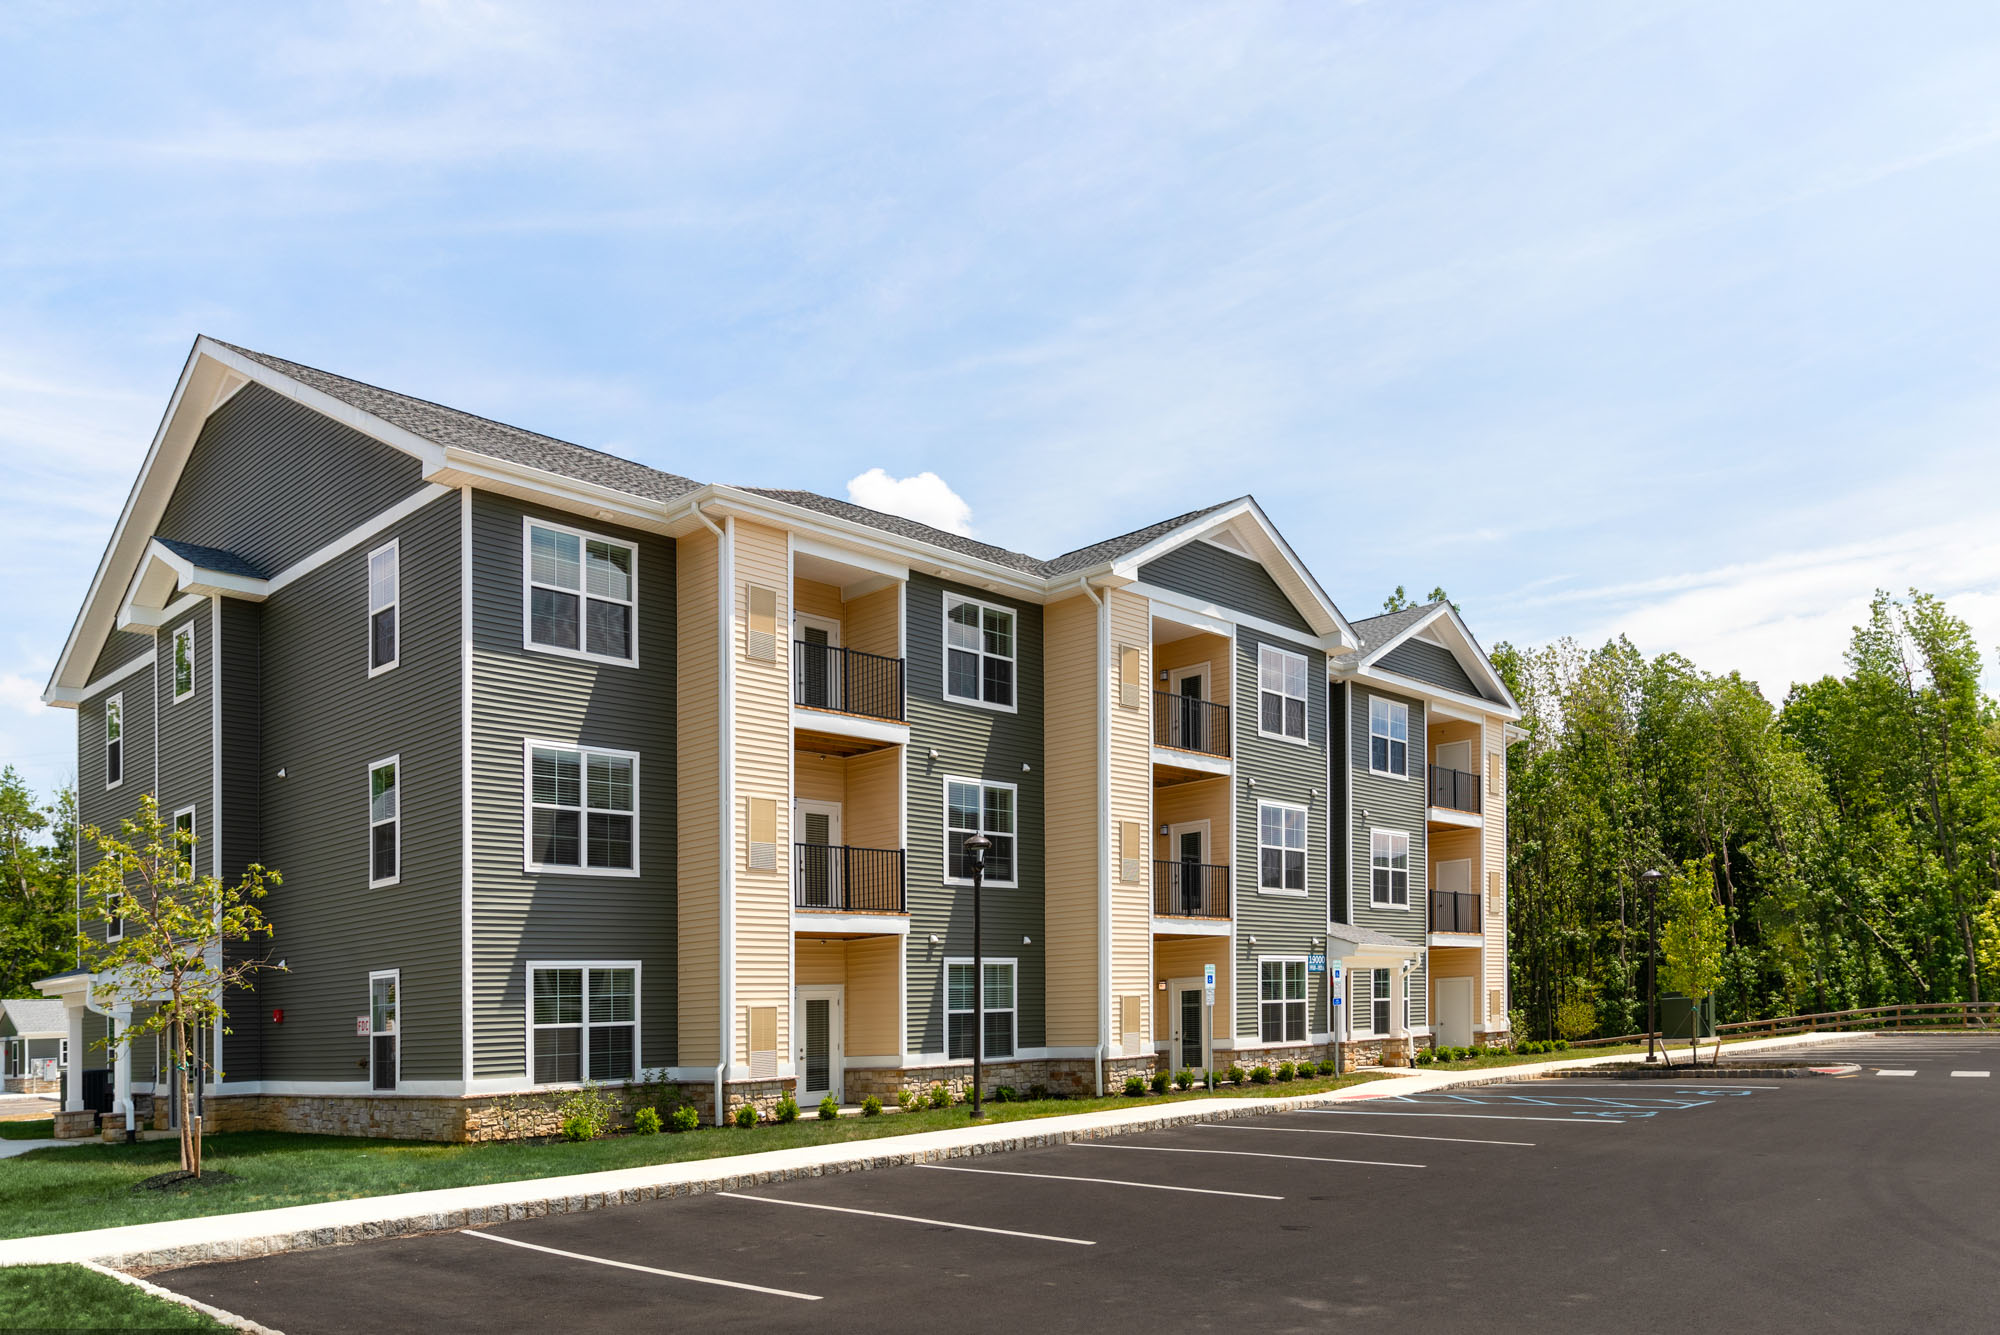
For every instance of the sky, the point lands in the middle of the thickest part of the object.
(1664, 319)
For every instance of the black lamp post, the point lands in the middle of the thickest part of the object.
(1651, 878)
(975, 861)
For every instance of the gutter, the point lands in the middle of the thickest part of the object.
(1103, 831)
(726, 879)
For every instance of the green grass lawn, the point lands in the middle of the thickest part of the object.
(91, 1186)
(1678, 1052)
(69, 1297)
(41, 1128)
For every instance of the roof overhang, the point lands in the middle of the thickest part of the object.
(1443, 625)
(167, 583)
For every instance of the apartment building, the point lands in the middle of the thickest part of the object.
(576, 770)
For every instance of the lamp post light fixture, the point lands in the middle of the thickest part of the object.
(975, 861)
(1651, 879)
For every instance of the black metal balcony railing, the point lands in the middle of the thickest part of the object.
(1454, 789)
(833, 878)
(1190, 724)
(847, 680)
(1190, 890)
(1453, 911)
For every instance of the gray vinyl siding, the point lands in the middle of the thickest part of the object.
(1339, 886)
(972, 743)
(39, 1048)
(1202, 570)
(1432, 664)
(1388, 803)
(240, 825)
(96, 1056)
(518, 694)
(1286, 772)
(325, 721)
(120, 648)
(273, 481)
(94, 805)
(186, 732)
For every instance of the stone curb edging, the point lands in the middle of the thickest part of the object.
(229, 1319)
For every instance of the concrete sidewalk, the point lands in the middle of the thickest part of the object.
(231, 1237)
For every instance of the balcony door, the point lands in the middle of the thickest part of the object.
(1190, 855)
(819, 662)
(1190, 683)
(1455, 755)
(1187, 1024)
(817, 827)
(817, 1024)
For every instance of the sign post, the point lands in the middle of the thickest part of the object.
(1208, 998)
(1336, 1016)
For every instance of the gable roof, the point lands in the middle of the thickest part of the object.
(210, 558)
(901, 527)
(37, 1015)
(1375, 632)
(1083, 558)
(1382, 634)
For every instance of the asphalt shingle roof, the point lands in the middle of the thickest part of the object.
(1375, 632)
(908, 528)
(1083, 558)
(211, 558)
(36, 1015)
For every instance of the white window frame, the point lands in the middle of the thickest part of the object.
(1287, 657)
(395, 762)
(1390, 708)
(62, 1054)
(1304, 851)
(114, 706)
(1303, 1000)
(1374, 836)
(1375, 995)
(529, 584)
(396, 977)
(529, 746)
(584, 1025)
(394, 550)
(194, 866)
(183, 632)
(1013, 966)
(1013, 615)
(944, 823)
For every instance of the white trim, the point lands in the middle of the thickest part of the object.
(1303, 1000)
(1390, 736)
(395, 763)
(1192, 927)
(725, 1030)
(1204, 669)
(979, 981)
(393, 548)
(1409, 863)
(584, 537)
(357, 535)
(836, 993)
(1425, 691)
(584, 1025)
(183, 631)
(857, 726)
(584, 752)
(1305, 849)
(215, 763)
(1215, 612)
(194, 831)
(115, 704)
(1469, 820)
(946, 649)
(396, 977)
(139, 664)
(465, 658)
(1174, 830)
(1304, 697)
(1198, 761)
(828, 551)
(945, 828)
(1426, 626)
(805, 922)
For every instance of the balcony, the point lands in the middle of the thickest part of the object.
(834, 878)
(1454, 790)
(847, 681)
(1190, 890)
(1186, 723)
(1456, 912)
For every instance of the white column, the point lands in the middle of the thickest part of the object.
(73, 1072)
(121, 1080)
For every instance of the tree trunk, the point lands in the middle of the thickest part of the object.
(183, 1103)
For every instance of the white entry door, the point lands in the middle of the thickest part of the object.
(1187, 1025)
(1454, 1012)
(816, 827)
(817, 1026)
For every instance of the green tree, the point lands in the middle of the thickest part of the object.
(1693, 939)
(173, 961)
(36, 880)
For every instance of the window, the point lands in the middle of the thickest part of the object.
(1281, 847)
(114, 740)
(1281, 1000)
(583, 810)
(62, 1054)
(584, 1022)
(184, 662)
(1388, 737)
(385, 822)
(385, 595)
(979, 652)
(1389, 856)
(581, 593)
(1281, 688)
(184, 843)
(1381, 995)
(985, 808)
(385, 1038)
(999, 1009)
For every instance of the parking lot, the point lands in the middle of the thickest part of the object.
(1797, 1204)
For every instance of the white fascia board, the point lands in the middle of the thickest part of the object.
(428, 452)
(1171, 600)
(1402, 685)
(135, 618)
(1470, 655)
(860, 559)
(466, 468)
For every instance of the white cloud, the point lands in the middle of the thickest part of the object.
(925, 498)
(17, 692)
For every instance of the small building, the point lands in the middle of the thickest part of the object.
(34, 1045)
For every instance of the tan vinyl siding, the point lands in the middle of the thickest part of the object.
(1184, 957)
(1210, 649)
(871, 623)
(814, 599)
(1493, 880)
(1131, 780)
(1185, 803)
(763, 758)
(1070, 765)
(698, 697)
(820, 962)
(872, 816)
(874, 1000)
(818, 778)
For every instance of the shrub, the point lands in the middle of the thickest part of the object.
(746, 1116)
(1005, 1094)
(1183, 1079)
(1286, 1070)
(1562, 1045)
(1260, 1076)
(828, 1109)
(646, 1121)
(577, 1128)
(1329, 1067)
(684, 1118)
(940, 1096)
(787, 1111)
(1160, 1081)
(1039, 1092)
(871, 1106)
(1135, 1085)
(590, 1108)
(1424, 1057)
(1237, 1075)
(906, 1099)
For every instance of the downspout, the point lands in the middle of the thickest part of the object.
(726, 908)
(1103, 835)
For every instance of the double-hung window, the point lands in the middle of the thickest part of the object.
(385, 1037)
(183, 662)
(1281, 693)
(385, 599)
(1281, 847)
(1381, 996)
(979, 652)
(1281, 1000)
(582, 592)
(584, 1020)
(1388, 737)
(114, 740)
(184, 846)
(583, 810)
(973, 807)
(385, 822)
(999, 1009)
(1389, 859)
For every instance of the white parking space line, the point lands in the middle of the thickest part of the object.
(906, 1218)
(1102, 1181)
(1379, 1135)
(1661, 1086)
(1895, 1073)
(1469, 1117)
(1237, 1154)
(1972, 1075)
(643, 1269)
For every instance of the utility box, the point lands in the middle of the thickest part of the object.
(1678, 1013)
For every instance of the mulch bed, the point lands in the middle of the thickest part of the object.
(182, 1181)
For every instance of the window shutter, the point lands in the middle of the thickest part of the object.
(1131, 678)
(1128, 1025)
(761, 641)
(1131, 840)
(1496, 890)
(763, 1042)
(1495, 1005)
(763, 828)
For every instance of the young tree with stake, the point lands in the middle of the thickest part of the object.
(1693, 942)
